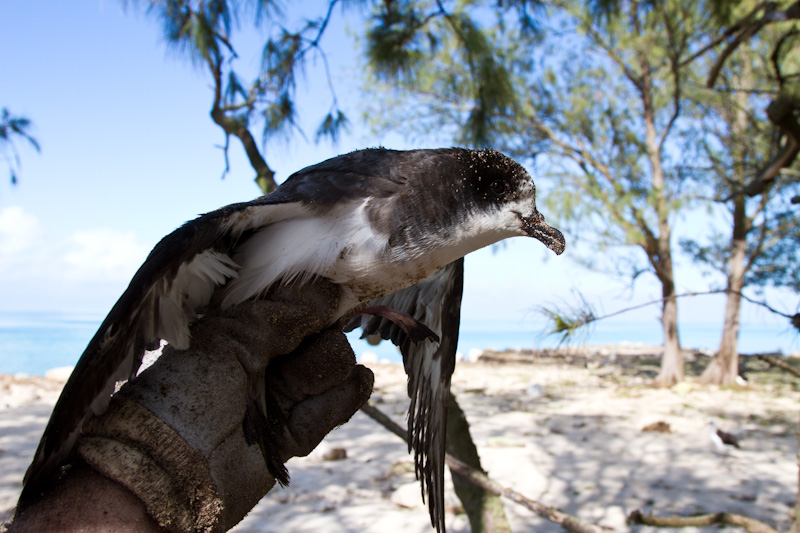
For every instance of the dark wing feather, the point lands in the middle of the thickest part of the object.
(728, 438)
(436, 302)
(115, 352)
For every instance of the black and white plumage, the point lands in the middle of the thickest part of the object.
(722, 440)
(378, 223)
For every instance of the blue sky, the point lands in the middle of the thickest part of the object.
(129, 153)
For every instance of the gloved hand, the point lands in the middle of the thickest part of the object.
(196, 435)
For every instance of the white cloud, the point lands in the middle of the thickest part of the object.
(19, 231)
(38, 269)
(23, 248)
(103, 255)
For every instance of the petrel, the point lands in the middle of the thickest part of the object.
(388, 227)
(722, 440)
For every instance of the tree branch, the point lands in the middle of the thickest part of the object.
(748, 32)
(569, 322)
(584, 159)
(324, 25)
(730, 31)
(747, 28)
(232, 126)
(674, 54)
(774, 361)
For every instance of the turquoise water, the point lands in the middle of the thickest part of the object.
(33, 342)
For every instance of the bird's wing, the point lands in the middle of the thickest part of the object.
(436, 302)
(728, 438)
(181, 276)
(176, 281)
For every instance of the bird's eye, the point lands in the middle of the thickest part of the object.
(498, 187)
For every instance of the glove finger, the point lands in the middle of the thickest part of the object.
(315, 417)
(318, 364)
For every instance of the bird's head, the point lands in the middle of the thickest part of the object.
(453, 202)
(502, 196)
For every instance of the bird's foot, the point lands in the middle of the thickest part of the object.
(416, 330)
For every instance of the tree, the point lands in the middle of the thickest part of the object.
(603, 97)
(11, 128)
(740, 143)
(204, 30)
(784, 110)
(745, 157)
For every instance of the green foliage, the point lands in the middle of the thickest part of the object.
(570, 321)
(12, 128)
(397, 41)
(281, 58)
(406, 39)
(608, 99)
(279, 115)
(332, 126)
(777, 264)
(739, 140)
(204, 30)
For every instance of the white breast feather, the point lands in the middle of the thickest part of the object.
(297, 250)
(480, 230)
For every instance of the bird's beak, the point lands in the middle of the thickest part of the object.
(535, 226)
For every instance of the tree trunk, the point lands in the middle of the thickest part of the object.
(796, 522)
(484, 509)
(672, 361)
(659, 248)
(724, 368)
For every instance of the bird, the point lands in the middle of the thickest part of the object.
(722, 441)
(390, 228)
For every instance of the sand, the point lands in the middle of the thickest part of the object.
(565, 432)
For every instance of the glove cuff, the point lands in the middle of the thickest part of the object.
(135, 448)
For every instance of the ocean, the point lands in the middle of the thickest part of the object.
(33, 342)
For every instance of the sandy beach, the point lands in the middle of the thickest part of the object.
(565, 430)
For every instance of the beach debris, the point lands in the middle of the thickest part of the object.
(684, 387)
(17, 395)
(407, 496)
(400, 468)
(658, 427)
(335, 454)
(535, 391)
(59, 374)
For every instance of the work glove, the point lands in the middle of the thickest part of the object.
(201, 435)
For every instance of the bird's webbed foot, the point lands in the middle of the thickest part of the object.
(416, 330)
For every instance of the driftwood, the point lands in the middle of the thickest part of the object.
(751, 525)
(568, 522)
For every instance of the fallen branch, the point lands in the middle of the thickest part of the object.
(751, 525)
(774, 361)
(568, 522)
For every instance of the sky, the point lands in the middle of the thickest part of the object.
(129, 153)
